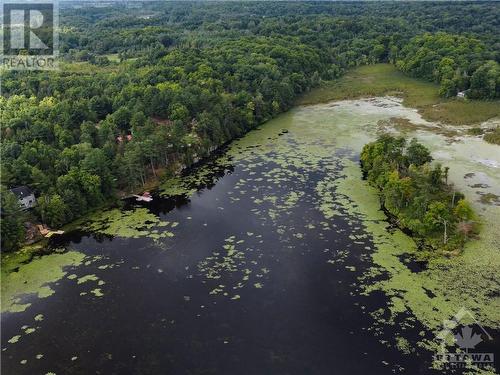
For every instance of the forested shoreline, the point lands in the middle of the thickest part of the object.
(143, 92)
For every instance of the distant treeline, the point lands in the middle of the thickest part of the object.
(456, 62)
(145, 89)
(417, 194)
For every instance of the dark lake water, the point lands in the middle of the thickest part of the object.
(157, 315)
(255, 280)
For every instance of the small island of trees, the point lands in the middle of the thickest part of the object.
(417, 194)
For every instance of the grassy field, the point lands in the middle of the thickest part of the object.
(85, 67)
(385, 79)
(113, 57)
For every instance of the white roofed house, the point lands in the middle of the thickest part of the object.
(25, 197)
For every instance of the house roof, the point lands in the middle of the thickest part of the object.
(21, 192)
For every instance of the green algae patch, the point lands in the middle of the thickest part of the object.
(11, 261)
(327, 204)
(29, 330)
(97, 292)
(134, 223)
(197, 178)
(174, 187)
(38, 318)
(34, 278)
(87, 278)
(233, 263)
(403, 345)
(14, 339)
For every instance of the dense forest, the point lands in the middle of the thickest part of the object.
(456, 62)
(147, 89)
(417, 194)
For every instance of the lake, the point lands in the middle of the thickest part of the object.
(280, 263)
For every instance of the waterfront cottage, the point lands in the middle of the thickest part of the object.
(25, 197)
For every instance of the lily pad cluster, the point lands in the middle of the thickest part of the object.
(197, 178)
(135, 223)
(232, 268)
(35, 279)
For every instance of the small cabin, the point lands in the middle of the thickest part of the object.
(461, 94)
(25, 197)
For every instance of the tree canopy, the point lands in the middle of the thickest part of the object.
(147, 88)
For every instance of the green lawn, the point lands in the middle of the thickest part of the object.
(385, 79)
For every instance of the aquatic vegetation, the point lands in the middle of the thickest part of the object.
(97, 292)
(14, 339)
(403, 345)
(86, 278)
(11, 261)
(493, 136)
(490, 198)
(321, 139)
(29, 330)
(455, 282)
(34, 278)
(327, 204)
(175, 186)
(39, 318)
(196, 178)
(135, 223)
(234, 265)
